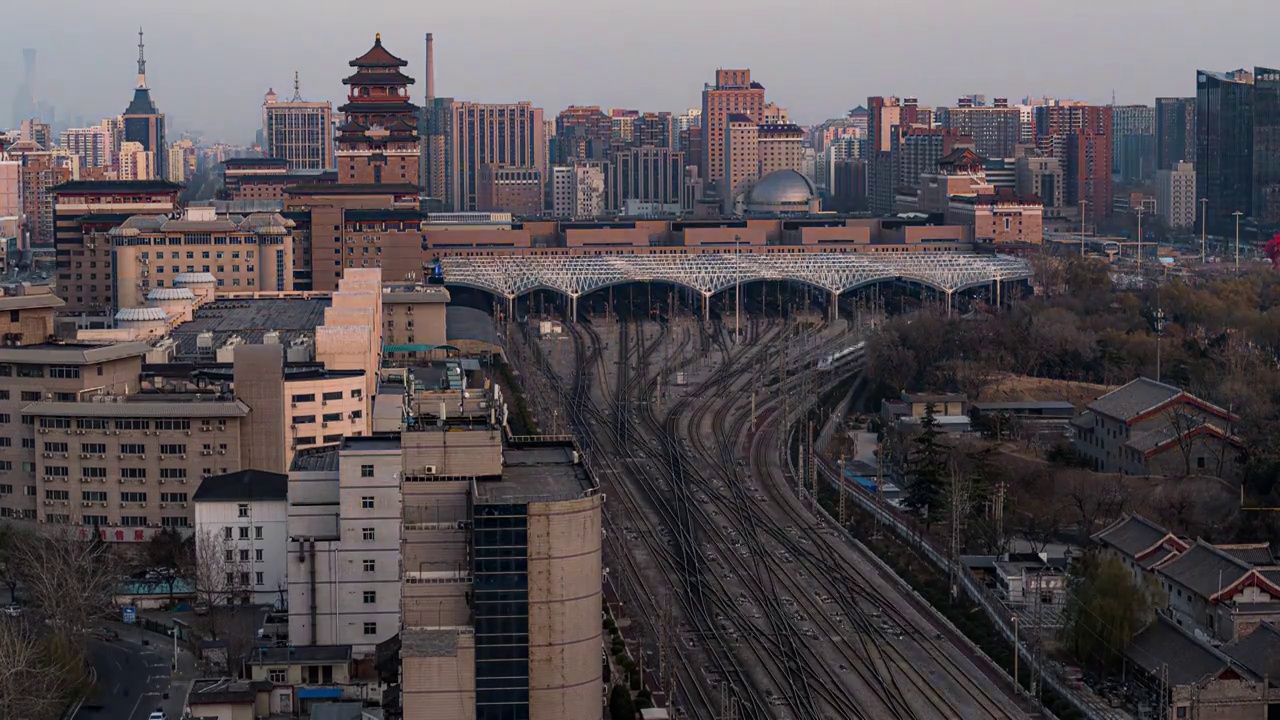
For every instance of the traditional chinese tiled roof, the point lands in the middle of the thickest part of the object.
(378, 57)
(378, 78)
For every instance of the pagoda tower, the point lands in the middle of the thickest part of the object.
(378, 142)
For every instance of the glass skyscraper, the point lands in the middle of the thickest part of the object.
(1224, 145)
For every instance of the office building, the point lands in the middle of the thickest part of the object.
(144, 124)
(647, 181)
(1133, 136)
(781, 147)
(1176, 196)
(243, 517)
(1265, 208)
(147, 252)
(887, 119)
(515, 190)
(917, 151)
(506, 136)
(1175, 131)
(298, 131)
(377, 144)
(741, 157)
(92, 145)
(999, 218)
(733, 94)
(996, 131)
(256, 179)
(1081, 136)
(1224, 145)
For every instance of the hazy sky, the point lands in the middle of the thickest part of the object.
(210, 62)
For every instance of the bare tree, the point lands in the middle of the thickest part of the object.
(40, 672)
(1096, 498)
(1182, 426)
(72, 581)
(215, 576)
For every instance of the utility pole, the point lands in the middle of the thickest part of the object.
(840, 489)
(1237, 214)
(1139, 211)
(879, 485)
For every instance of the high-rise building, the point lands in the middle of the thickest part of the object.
(1081, 136)
(1044, 178)
(781, 147)
(648, 180)
(918, 150)
(143, 123)
(25, 104)
(40, 133)
(884, 118)
(182, 161)
(136, 162)
(741, 157)
(652, 130)
(1266, 147)
(298, 131)
(734, 93)
(92, 145)
(509, 136)
(1175, 131)
(377, 144)
(1176, 196)
(1133, 137)
(583, 133)
(621, 122)
(996, 131)
(1224, 145)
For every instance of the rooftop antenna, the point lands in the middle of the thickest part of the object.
(142, 63)
(297, 91)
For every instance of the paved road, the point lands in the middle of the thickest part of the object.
(132, 678)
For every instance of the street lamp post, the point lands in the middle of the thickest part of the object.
(1017, 688)
(1139, 211)
(1237, 214)
(1204, 221)
(1082, 204)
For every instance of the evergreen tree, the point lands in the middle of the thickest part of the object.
(927, 468)
(621, 706)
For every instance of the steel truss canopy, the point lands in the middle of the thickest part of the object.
(576, 275)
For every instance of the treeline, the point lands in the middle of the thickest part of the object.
(1220, 340)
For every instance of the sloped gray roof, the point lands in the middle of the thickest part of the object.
(1130, 401)
(1204, 569)
(1189, 661)
(464, 323)
(1256, 554)
(1259, 650)
(1131, 534)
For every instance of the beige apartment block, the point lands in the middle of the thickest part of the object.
(413, 319)
(437, 673)
(129, 467)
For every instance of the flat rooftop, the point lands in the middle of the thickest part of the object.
(251, 319)
(536, 474)
(71, 353)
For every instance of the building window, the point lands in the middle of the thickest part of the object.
(257, 532)
(366, 471)
(257, 555)
(228, 556)
(369, 565)
(244, 555)
(370, 628)
(244, 533)
(367, 533)
(366, 502)
(370, 597)
(277, 676)
(226, 533)
(259, 579)
(242, 510)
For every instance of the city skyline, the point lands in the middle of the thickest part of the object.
(655, 65)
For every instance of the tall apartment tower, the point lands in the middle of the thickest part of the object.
(884, 120)
(298, 131)
(1175, 131)
(507, 136)
(1081, 135)
(1224, 145)
(378, 142)
(143, 123)
(996, 130)
(734, 93)
(1133, 133)
(583, 133)
(92, 145)
(1176, 196)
